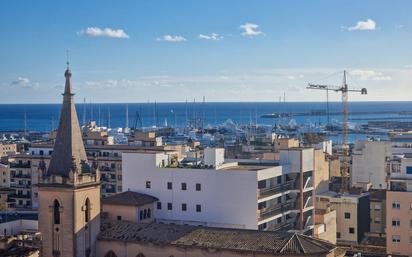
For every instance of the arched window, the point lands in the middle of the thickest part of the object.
(56, 212)
(148, 213)
(110, 254)
(87, 211)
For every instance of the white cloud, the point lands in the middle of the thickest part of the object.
(107, 32)
(212, 36)
(171, 38)
(370, 75)
(24, 83)
(250, 30)
(369, 24)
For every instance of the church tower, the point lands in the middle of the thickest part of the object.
(69, 190)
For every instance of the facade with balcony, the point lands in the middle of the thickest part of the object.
(399, 205)
(246, 194)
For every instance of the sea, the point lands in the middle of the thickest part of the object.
(44, 117)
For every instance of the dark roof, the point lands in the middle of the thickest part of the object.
(215, 238)
(68, 151)
(129, 198)
(377, 195)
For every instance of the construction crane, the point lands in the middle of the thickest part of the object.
(344, 89)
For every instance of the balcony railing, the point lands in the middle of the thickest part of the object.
(265, 192)
(275, 210)
(20, 165)
(23, 196)
(17, 175)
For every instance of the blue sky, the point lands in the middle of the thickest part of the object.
(232, 50)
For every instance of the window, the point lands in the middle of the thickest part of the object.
(410, 223)
(144, 214)
(148, 184)
(337, 234)
(377, 207)
(396, 223)
(141, 215)
(159, 205)
(262, 226)
(351, 230)
(87, 210)
(396, 205)
(149, 213)
(184, 186)
(169, 206)
(198, 187)
(169, 185)
(410, 206)
(119, 217)
(198, 208)
(184, 207)
(377, 220)
(347, 215)
(396, 239)
(56, 212)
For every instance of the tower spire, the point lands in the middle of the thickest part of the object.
(68, 153)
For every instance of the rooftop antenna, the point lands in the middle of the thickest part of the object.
(25, 122)
(67, 58)
(91, 110)
(99, 121)
(203, 113)
(127, 116)
(186, 115)
(108, 117)
(84, 111)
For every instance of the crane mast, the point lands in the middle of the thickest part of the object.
(344, 89)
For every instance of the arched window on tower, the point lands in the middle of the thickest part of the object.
(87, 211)
(56, 212)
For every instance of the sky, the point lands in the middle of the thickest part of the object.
(231, 50)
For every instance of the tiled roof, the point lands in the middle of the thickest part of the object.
(129, 198)
(216, 238)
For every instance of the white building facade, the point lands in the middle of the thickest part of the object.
(246, 194)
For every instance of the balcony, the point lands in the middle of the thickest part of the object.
(265, 192)
(19, 165)
(21, 175)
(21, 196)
(275, 210)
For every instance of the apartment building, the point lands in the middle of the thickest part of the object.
(7, 148)
(247, 194)
(399, 206)
(24, 169)
(378, 211)
(352, 214)
(369, 163)
(4, 175)
(370, 159)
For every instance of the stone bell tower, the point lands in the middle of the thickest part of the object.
(69, 190)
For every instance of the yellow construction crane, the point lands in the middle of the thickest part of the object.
(344, 89)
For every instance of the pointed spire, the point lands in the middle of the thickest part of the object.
(69, 154)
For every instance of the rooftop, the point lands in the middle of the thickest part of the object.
(216, 238)
(129, 198)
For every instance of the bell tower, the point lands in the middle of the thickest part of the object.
(69, 190)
